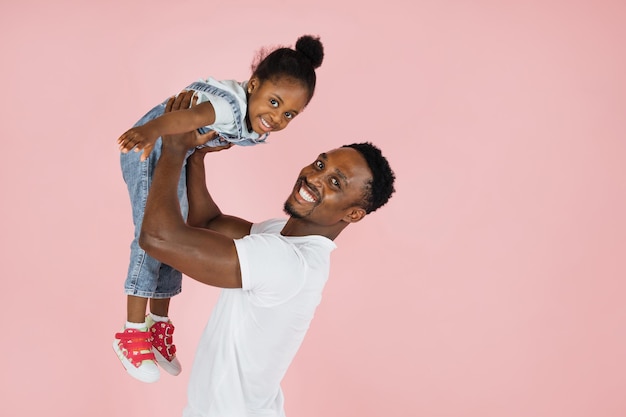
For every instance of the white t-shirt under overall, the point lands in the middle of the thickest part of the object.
(230, 114)
(254, 332)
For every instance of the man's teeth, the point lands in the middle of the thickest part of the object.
(306, 196)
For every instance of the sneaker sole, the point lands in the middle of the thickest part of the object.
(172, 368)
(136, 373)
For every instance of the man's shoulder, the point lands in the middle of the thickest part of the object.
(273, 226)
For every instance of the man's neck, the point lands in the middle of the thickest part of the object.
(300, 227)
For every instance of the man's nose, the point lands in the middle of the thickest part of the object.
(316, 178)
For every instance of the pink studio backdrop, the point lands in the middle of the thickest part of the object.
(491, 285)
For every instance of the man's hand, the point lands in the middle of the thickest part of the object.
(183, 100)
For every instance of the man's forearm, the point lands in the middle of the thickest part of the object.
(202, 208)
(162, 214)
(204, 255)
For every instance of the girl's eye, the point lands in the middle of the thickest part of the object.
(273, 102)
(288, 115)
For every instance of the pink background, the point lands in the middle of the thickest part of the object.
(491, 285)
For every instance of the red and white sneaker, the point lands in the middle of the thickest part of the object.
(133, 348)
(163, 347)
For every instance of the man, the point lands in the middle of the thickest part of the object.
(272, 273)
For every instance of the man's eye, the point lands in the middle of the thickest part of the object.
(319, 164)
(334, 182)
(273, 102)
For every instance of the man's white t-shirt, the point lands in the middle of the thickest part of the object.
(254, 332)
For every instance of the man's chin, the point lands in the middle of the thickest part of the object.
(290, 211)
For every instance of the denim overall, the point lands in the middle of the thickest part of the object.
(148, 277)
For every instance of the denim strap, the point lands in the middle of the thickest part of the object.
(226, 95)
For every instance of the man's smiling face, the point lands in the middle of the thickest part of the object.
(327, 189)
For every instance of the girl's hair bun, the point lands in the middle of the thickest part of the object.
(312, 48)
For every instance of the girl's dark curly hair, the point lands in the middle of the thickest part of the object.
(299, 63)
(379, 190)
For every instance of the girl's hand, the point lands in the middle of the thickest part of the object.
(139, 139)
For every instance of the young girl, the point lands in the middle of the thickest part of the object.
(242, 113)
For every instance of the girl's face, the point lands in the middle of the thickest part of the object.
(272, 104)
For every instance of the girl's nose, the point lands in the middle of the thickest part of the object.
(275, 117)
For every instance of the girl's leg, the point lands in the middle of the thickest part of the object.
(136, 309)
(159, 306)
(133, 344)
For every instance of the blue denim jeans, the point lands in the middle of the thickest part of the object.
(148, 277)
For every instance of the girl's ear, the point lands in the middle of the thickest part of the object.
(354, 215)
(253, 84)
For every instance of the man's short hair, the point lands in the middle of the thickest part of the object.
(379, 190)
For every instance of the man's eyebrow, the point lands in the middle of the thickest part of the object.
(341, 175)
(323, 156)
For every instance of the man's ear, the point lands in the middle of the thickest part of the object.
(354, 214)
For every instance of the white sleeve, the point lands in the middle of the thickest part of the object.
(272, 270)
(223, 111)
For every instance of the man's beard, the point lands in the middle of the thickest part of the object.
(289, 210)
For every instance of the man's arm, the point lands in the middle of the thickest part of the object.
(203, 212)
(201, 254)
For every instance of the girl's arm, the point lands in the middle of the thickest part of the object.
(144, 137)
(181, 121)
